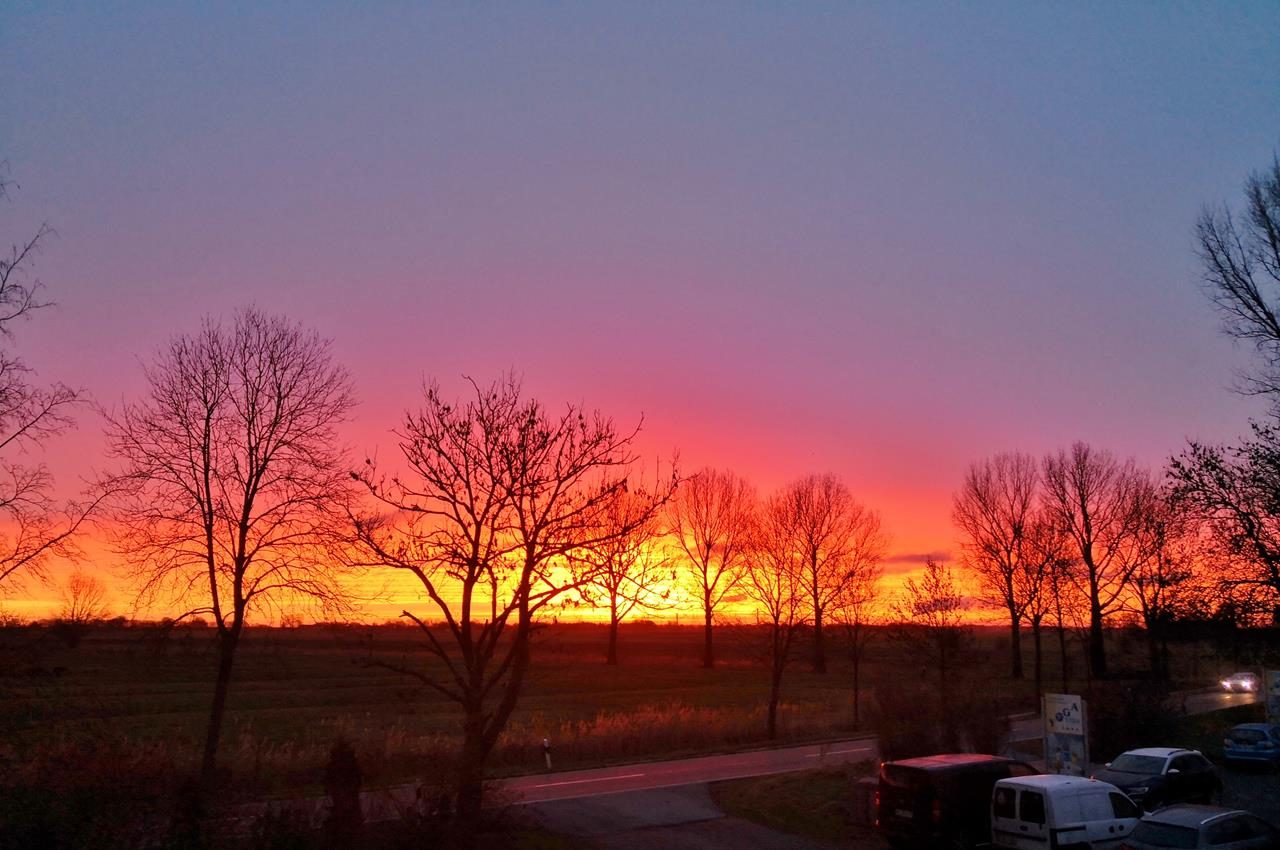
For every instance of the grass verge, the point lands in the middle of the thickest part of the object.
(814, 804)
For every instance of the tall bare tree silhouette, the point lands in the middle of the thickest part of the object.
(231, 482)
(497, 500)
(711, 521)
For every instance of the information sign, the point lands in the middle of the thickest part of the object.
(1066, 734)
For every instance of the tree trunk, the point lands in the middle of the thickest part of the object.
(1015, 645)
(819, 649)
(213, 733)
(1153, 654)
(857, 659)
(775, 692)
(1097, 652)
(611, 657)
(708, 657)
(1062, 650)
(1039, 655)
(469, 802)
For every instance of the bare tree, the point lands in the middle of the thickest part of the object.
(995, 508)
(773, 581)
(855, 611)
(1234, 493)
(1098, 501)
(84, 599)
(930, 616)
(1041, 576)
(711, 521)
(35, 525)
(231, 479)
(498, 495)
(1162, 584)
(627, 572)
(1241, 259)
(836, 540)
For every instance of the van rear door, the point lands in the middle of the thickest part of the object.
(905, 798)
(1018, 817)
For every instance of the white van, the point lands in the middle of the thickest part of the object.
(1043, 812)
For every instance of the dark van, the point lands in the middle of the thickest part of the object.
(943, 800)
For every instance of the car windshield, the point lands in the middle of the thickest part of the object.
(1248, 736)
(1164, 835)
(1126, 763)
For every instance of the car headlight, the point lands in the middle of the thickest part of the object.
(1226, 684)
(1139, 791)
(1248, 686)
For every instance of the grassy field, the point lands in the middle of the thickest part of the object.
(128, 689)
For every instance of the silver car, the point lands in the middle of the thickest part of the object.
(1187, 827)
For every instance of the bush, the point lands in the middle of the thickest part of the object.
(96, 792)
(342, 783)
(913, 720)
(1124, 716)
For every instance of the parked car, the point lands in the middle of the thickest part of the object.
(942, 800)
(1186, 826)
(1241, 682)
(1053, 812)
(1158, 776)
(1257, 742)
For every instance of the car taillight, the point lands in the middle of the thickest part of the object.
(937, 811)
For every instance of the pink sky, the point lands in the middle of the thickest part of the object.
(880, 242)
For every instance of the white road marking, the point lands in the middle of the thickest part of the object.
(837, 752)
(584, 781)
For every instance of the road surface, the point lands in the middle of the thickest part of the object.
(1022, 728)
(665, 774)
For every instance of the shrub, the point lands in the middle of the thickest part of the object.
(99, 792)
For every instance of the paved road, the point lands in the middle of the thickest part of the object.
(680, 818)
(665, 774)
(1190, 702)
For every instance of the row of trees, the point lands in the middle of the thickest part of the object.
(1076, 534)
(1081, 525)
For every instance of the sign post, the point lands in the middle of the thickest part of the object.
(1066, 734)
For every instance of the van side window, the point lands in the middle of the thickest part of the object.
(1003, 803)
(1094, 807)
(1123, 806)
(1032, 809)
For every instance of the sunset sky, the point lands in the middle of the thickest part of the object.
(878, 240)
